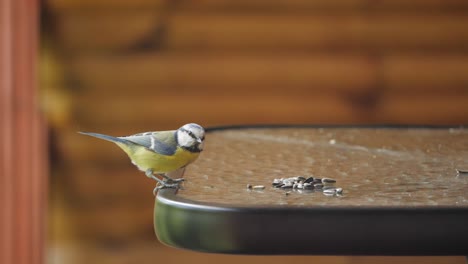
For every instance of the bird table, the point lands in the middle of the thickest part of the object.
(398, 191)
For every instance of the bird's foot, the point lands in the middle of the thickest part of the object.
(164, 185)
(171, 180)
(168, 182)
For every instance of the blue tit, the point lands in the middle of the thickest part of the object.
(163, 153)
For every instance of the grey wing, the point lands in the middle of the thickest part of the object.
(160, 142)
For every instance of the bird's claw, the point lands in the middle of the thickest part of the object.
(175, 180)
(167, 182)
(165, 185)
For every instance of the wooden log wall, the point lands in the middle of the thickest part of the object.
(132, 66)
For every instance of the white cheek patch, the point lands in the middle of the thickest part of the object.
(185, 139)
(199, 133)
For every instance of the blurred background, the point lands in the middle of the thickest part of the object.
(125, 66)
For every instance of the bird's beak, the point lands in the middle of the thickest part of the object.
(199, 141)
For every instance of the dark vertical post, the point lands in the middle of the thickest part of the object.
(23, 156)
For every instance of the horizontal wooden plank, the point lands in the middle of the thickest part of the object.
(273, 5)
(216, 73)
(91, 32)
(322, 5)
(87, 155)
(105, 32)
(274, 75)
(423, 74)
(355, 32)
(79, 5)
(113, 222)
(421, 109)
(96, 182)
(214, 110)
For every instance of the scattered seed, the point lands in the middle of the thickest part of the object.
(287, 193)
(301, 179)
(258, 187)
(462, 172)
(277, 182)
(309, 180)
(328, 180)
(339, 190)
(318, 186)
(249, 186)
(329, 192)
(288, 182)
(301, 183)
(317, 180)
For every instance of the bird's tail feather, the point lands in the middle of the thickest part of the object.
(105, 137)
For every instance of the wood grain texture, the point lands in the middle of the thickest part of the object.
(248, 73)
(7, 118)
(23, 155)
(422, 74)
(214, 72)
(275, 5)
(192, 32)
(421, 109)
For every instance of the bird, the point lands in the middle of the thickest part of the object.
(161, 153)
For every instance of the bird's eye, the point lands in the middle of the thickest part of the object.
(191, 134)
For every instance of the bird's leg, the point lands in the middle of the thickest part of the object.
(161, 184)
(175, 176)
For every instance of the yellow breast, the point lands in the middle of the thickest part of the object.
(145, 159)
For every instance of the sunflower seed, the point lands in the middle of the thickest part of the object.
(318, 186)
(309, 180)
(328, 180)
(277, 182)
(279, 185)
(329, 192)
(258, 187)
(249, 186)
(288, 182)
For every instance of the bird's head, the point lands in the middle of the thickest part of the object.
(191, 137)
